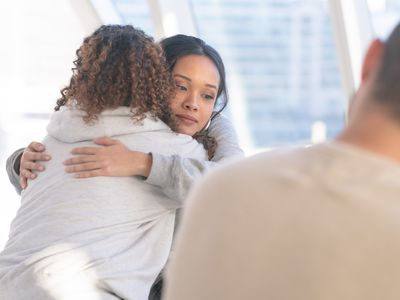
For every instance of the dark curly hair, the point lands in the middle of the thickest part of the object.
(119, 65)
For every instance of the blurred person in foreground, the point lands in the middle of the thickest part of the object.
(310, 223)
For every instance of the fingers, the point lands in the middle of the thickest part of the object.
(94, 173)
(24, 175)
(105, 141)
(27, 174)
(30, 166)
(34, 156)
(37, 147)
(28, 162)
(95, 150)
(23, 182)
(85, 150)
(91, 166)
(79, 160)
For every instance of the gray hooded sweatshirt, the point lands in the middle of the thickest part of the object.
(94, 238)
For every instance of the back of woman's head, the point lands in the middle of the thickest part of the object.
(120, 66)
(180, 45)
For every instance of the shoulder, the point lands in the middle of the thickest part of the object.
(255, 191)
(253, 178)
(269, 162)
(221, 123)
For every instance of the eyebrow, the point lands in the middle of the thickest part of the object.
(188, 79)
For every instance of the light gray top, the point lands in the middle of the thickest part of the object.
(90, 238)
(313, 223)
(176, 174)
(173, 174)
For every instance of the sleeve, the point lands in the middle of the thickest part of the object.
(228, 147)
(12, 166)
(175, 174)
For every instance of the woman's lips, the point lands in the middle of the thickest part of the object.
(187, 119)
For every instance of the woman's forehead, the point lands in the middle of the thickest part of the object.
(198, 67)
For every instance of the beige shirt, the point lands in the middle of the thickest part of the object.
(313, 223)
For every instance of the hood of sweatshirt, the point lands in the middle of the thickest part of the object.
(67, 125)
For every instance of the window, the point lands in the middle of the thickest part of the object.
(282, 69)
(39, 43)
(135, 12)
(385, 15)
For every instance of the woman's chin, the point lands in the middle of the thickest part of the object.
(187, 131)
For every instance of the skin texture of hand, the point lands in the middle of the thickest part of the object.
(114, 159)
(31, 155)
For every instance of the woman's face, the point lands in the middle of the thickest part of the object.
(197, 81)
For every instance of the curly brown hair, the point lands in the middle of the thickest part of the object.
(119, 65)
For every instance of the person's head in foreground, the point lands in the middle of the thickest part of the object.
(313, 223)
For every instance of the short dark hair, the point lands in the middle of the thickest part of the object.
(387, 86)
(180, 45)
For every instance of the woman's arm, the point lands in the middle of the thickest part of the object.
(12, 166)
(114, 159)
(175, 174)
(227, 141)
(21, 164)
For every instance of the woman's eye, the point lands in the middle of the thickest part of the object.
(208, 97)
(181, 87)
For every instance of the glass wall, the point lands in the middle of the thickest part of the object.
(385, 15)
(282, 68)
(135, 12)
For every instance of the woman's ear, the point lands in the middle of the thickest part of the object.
(372, 59)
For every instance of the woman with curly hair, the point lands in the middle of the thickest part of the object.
(185, 55)
(199, 77)
(101, 237)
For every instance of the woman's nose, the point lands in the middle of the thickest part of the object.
(191, 103)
